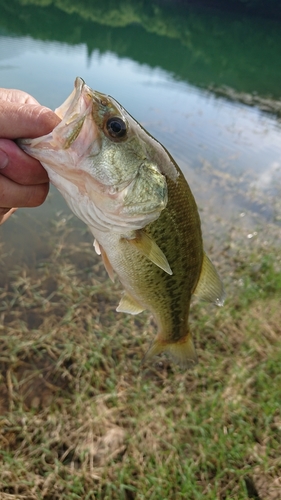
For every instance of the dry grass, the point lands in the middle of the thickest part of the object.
(82, 419)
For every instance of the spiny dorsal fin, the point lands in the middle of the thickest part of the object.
(129, 305)
(209, 286)
(183, 351)
(147, 246)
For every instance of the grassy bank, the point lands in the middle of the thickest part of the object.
(82, 419)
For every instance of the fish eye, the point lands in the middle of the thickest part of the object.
(116, 127)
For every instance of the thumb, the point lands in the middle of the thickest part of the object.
(26, 120)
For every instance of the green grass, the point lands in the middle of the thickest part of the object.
(81, 418)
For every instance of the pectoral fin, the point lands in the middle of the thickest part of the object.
(209, 286)
(183, 351)
(129, 305)
(147, 246)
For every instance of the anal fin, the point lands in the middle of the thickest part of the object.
(149, 248)
(129, 305)
(209, 286)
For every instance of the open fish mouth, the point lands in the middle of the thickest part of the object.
(77, 124)
(70, 104)
(75, 110)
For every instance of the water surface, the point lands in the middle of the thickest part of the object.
(165, 67)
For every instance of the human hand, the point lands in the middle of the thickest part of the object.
(23, 180)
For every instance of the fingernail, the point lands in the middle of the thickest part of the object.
(4, 160)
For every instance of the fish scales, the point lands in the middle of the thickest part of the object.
(179, 238)
(177, 232)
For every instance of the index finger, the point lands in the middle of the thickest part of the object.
(21, 167)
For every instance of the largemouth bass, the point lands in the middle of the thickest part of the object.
(138, 205)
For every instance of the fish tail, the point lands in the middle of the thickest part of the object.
(182, 351)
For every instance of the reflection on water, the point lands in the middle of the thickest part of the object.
(161, 72)
(200, 47)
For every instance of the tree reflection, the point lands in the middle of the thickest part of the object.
(202, 47)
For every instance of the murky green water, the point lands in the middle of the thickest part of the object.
(185, 75)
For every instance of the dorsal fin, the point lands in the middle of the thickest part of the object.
(148, 247)
(209, 286)
(129, 305)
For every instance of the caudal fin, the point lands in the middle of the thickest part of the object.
(182, 352)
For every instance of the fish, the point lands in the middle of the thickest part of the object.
(139, 207)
